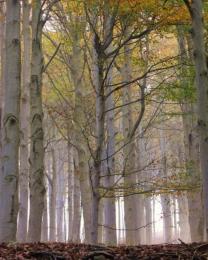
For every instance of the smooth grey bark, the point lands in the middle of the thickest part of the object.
(98, 68)
(2, 85)
(130, 178)
(45, 219)
(60, 213)
(78, 130)
(2, 60)
(61, 191)
(44, 228)
(37, 189)
(195, 205)
(153, 219)
(24, 125)
(2, 71)
(175, 222)
(148, 219)
(77, 203)
(53, 194)
(196, 11)
(109, 203)
(184, 227)
(191, 147)
(141, 161)
(165, 198)
(70, 162)
(101, 222)
(167, 225)
(46, 211)
(81, 145)
(10, 141)
(141, 220)
(109, 229)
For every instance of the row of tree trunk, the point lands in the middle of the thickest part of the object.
(22, 94)
(22, 180)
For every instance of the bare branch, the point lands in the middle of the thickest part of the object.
(51, 59)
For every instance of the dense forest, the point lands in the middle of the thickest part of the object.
(104, 121)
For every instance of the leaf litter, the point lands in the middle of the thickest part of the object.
(70, 251)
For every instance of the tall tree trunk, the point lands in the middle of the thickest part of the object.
(2, 64)
(140, 165)
(144, 159)
(165, 198)
(148, 214)
(109, 203)
(46, 211)
(153, 219)
(60, 210)
(77, 203)
(101, 222)
(45, 221)
(24, 124)
(70, 186)
(80, 138)
(175, 222)
(37, 189)
(196, 11)
(145, 206)
(184, 227)
(130, 179)
(52, 201)
(109, 229)
(10, 142)
(98, 64)
(191, 146)
(193, 170)
(61, 191)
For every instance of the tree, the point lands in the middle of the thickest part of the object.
(196, 11)
(130, 202)
(37, 189)
(165, 198)
(191, 140)
(24, 124)
(10, 141)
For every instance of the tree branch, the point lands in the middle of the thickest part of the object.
(51, 59)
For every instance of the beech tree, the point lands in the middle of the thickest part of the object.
(24, 124)
(191, 140)
(37, 189)
(11, 131)
(196, 11)
(121, 153)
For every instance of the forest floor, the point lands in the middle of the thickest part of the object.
(68, 251)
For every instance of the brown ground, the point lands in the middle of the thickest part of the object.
(58, 251)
